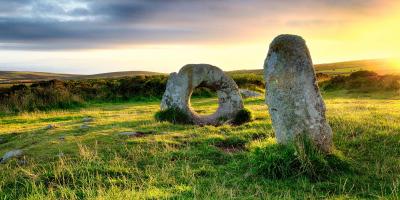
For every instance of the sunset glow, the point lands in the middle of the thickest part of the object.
(156, 37)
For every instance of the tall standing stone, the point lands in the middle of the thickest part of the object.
(294, 101)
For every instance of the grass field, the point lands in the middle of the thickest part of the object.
(7, 77)
(381, 66)
(190, 162)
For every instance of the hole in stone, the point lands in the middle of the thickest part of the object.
(204, 101)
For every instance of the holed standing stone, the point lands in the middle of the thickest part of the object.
(181, 85)
(294, 101)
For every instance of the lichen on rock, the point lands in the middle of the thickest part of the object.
(180, 87)
(294, 101)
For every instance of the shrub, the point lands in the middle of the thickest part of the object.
(204, 92)
(322, 77)
(173, 115)
(300, 158)
(242, 117)
(337, 82)
(363, 74)
(43, 95)
(249, 81)
(363, 81)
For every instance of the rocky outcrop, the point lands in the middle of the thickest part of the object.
(294, 101)
(249, 93)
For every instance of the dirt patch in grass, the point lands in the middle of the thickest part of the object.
(231, 145)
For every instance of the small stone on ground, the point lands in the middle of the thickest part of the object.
(11, 154)
(87, 119)
(85, 126)
(128, 134)
(249, 93)
(50, 126)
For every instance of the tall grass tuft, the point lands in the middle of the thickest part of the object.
(242, 117)
(299, 158)
(173, 115)
(39, 96)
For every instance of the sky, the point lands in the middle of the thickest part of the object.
(95, 36)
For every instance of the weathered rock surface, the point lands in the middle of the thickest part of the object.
(295, 103)
(180, 87)
(249, 93)
(129, 134)
(84, 126)
(10, 154)
(87, 119)
(50, 126)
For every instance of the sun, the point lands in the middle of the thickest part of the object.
(395, 63)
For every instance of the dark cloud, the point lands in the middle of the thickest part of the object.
(64, 24)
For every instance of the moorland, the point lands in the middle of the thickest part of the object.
(76, 141)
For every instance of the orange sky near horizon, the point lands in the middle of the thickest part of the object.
(332, 34)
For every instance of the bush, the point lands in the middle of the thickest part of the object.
(242, 117)
(173, 115)
(204, 92)
(363, 74)
(45, 95)
(300, 158)
(363, 81)
(249, 81)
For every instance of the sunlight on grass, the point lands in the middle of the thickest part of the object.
(205, 106)
(186, 161)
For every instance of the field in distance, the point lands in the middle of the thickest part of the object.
(381, 66)
(26, 77)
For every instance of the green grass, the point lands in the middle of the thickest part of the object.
(192, 162)
(173, 115)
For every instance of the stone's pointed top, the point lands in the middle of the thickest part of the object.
(287, 42)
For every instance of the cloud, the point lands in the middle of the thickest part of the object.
(76, 24)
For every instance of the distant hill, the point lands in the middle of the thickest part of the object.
(17, 76)
(120, 74)
(29, 76)
(247, 71)
(381, 66)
